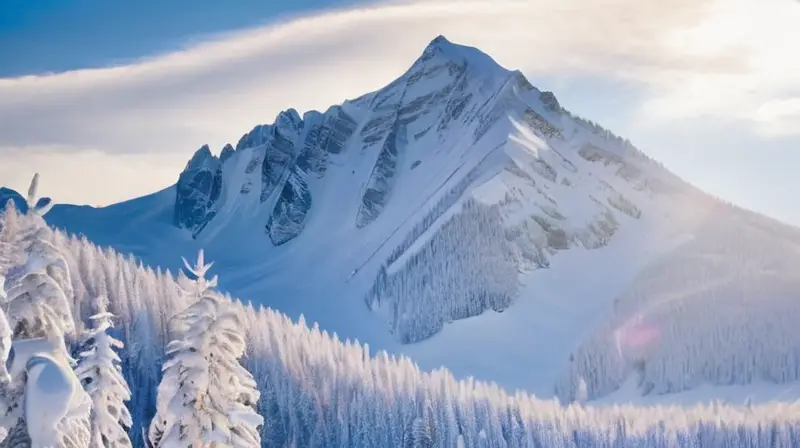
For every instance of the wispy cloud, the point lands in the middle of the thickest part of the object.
(763, 36)
(695, 57)
(780, 116)
(82, 175)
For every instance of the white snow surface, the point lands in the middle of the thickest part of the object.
(519, 165)
(550, 318)
(53, 395)
(736, 395)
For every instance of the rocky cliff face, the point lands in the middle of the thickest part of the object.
(431, 95)
(199, 186)
(285, 154)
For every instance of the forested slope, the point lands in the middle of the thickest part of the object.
(319, 391)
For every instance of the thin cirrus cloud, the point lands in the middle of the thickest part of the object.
(780, 116)
(763, 35)
(135, 125)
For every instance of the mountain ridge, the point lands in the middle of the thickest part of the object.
(288, 165)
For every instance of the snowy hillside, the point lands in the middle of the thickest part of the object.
(315, 390)
(462, 217)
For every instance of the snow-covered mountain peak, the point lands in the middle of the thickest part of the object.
(453, 103)
(198, 189)
(226, 152)
(201, 158)
(478, 61)
(456, 145)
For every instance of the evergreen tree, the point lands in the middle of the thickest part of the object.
(5, 333)
(9, 236)
(39, 287)
(206, 398)
(44, 402)
(581, 391)
(7, 394)
(101, 376)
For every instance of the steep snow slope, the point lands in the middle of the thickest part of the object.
(461, 190)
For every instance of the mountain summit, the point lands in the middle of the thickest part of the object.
(433, 91)
(457, 145)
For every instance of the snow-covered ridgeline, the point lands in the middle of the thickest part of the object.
(537, 191)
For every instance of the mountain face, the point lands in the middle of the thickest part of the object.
(280, 159)
(198, 191)
(456, 148)
(449, 89)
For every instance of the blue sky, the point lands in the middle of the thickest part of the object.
(98, 92)
(58, 35)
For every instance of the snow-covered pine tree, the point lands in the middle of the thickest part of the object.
(45, 404)
(7, 395)
(581, 391)
(206, 398)
(9, 229)
(101, 376)
(5, 333)
(39, 287)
